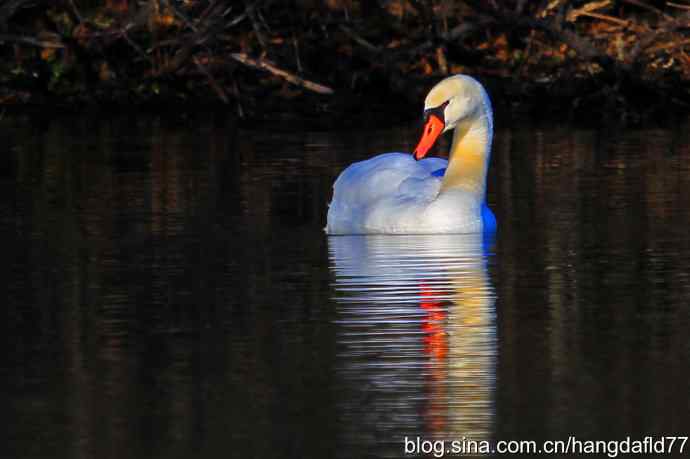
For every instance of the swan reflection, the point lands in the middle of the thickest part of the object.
(416, 338)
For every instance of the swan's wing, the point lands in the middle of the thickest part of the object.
(368, 181)
(390, 178)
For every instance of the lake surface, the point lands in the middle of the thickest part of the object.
(169, 293)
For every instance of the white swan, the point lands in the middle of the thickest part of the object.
(394, 194)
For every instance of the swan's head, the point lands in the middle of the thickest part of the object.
(451, 101)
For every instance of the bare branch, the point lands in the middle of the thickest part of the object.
(31, 41)
(212, 81)
(270, 67)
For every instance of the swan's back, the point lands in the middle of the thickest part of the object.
(385, 194)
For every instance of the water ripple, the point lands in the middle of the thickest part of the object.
(416, 338)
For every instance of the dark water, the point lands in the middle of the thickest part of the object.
(169, 293)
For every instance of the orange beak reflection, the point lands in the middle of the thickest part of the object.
(432, 129)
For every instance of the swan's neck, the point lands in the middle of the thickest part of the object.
(469, 154)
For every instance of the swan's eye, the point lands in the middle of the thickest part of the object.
(438, 111)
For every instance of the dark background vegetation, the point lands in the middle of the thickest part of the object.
(334, 59)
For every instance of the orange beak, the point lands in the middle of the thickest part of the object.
(432, 129)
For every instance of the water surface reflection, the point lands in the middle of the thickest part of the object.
(416, 338)
(169, 292)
